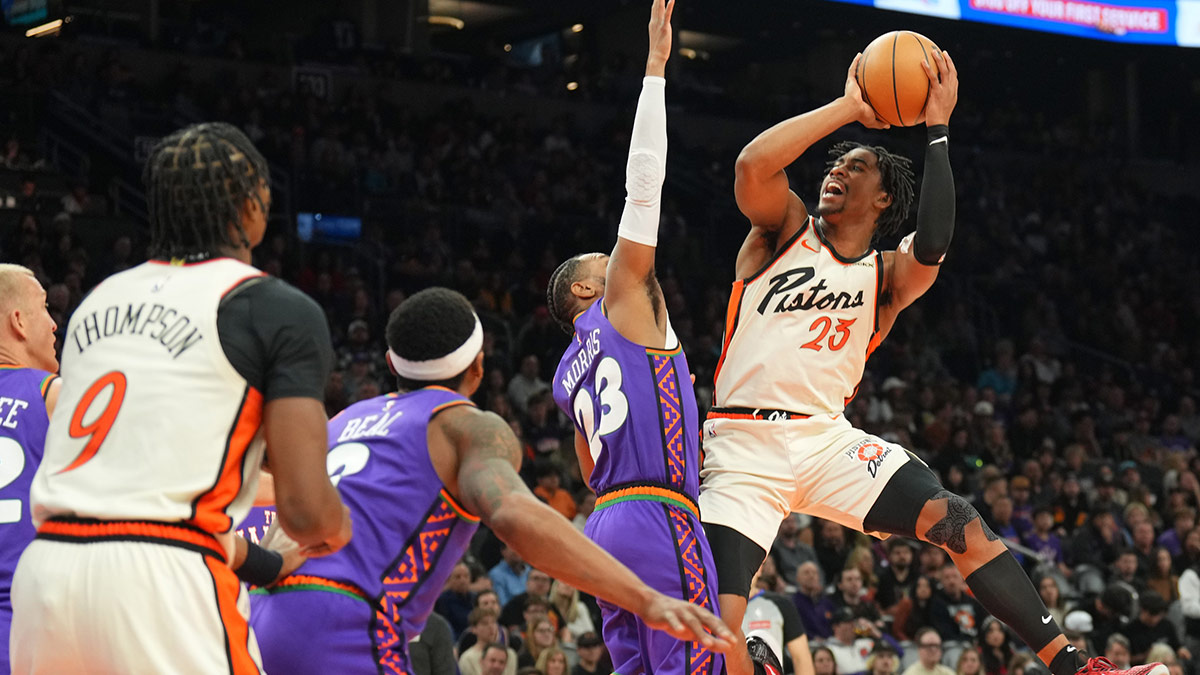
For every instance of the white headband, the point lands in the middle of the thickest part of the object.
(443, 367)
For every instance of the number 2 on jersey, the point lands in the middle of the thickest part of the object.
(12, 463)
(614, 407)
(96, 430)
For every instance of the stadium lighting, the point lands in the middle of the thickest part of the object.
(577, 28)
(572, 86)
(49, 28)
(441, 20)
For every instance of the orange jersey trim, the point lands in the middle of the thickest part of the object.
(65, 529)
(294, 581)
(209, 507)
(237, 631)
(457, 508)
(732, 311)
(648, 493)
(45, 386)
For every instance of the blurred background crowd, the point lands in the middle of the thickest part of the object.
(1049, 376)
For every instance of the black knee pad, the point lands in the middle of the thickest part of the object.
(899, 505)
(737, 559)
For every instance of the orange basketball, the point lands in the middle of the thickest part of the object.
(891, 78)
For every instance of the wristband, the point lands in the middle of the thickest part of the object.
(938, 133)
(260, 566)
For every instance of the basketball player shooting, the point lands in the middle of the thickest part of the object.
(812, 301)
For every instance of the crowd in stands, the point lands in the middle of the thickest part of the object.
(1049, 376)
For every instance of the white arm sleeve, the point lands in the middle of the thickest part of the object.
(646, 170)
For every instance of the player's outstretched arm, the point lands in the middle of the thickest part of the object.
(760, 184)
(630, 284)
(916, 262)
(308, 506)
(487, 484)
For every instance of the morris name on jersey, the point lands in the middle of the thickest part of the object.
(170, 327)
(582, 362)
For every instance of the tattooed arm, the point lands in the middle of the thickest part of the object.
(483, 458)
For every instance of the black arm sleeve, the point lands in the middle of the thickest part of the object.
(935, 211)
(277, 338)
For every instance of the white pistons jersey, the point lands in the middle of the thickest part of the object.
(153, 422)
(799, 332)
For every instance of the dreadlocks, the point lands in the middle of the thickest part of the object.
(559, 299)
(896, 175)
(197, 180)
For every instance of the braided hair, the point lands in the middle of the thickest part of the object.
(559, 299)
(896, 176)
(197, 180)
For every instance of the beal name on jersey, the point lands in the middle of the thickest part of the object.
(170, 327)
(369, 426)
(782, 285)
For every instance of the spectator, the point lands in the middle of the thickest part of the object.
(537, 586)
(1162, 578)
(1125, 570)
(824, 662)
(1182, 522)
(1051, 594)
(456, 602)
(1189, 600)
(995, 647)
(897, 580)
(525, 383)
(542, 636)
(552, 661)
(915, 612)
(883, 660)
(956, 614)
(565, 599)
(831, 547)
(815, 607)
(849, 651)
(1151, 627)
(929, 654)
(484, 658)
(433, 653)
(789, 550)
(509, 575)
(487, 601)
(969, 662)
(591, 652)
(1096, 542)
(851, 595)
(1116, 650)
(548, 476)
(1044, 541)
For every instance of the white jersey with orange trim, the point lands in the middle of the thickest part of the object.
(153, 422)
(799, 332)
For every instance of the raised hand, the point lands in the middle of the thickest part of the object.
(688, 622)
(943, 88)
(865, 114)
(660, 37)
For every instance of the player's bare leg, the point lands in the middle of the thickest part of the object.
(733, 610)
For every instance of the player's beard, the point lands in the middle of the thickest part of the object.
(829, 210)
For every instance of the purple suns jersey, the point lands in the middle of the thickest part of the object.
(634, 405)
(408, 530)
(23, 423)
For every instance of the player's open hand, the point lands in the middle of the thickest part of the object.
(943, 88)
(660, 37)
(864, 113)
(688, 622)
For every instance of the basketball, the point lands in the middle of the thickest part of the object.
(891, 77)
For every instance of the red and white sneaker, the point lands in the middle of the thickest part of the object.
(1099, 664)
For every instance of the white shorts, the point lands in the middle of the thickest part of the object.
(757, 471)
(128, 607)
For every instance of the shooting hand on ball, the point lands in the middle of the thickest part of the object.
(943, 88)
(865, 115)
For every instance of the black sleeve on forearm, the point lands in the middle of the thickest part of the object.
(935, 211)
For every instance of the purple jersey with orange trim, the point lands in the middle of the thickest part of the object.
(23, 423)
(634, 405)
(408, 530)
